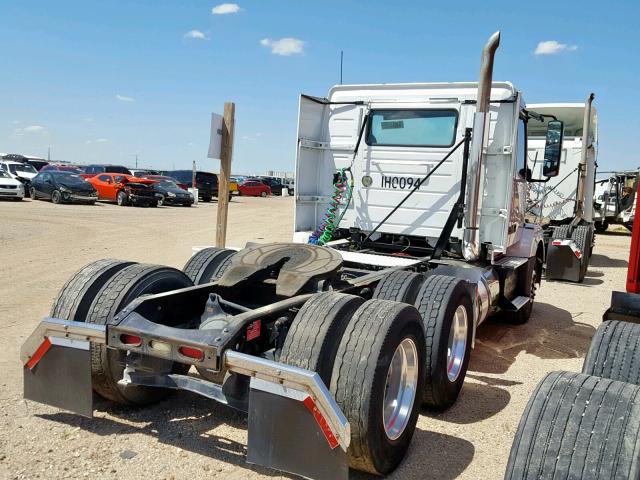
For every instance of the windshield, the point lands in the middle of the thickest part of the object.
(68, 178)
(21, 167)
(167, 183)
(416, 128)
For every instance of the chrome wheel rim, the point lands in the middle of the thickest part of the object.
(457, 343)
(400, 389)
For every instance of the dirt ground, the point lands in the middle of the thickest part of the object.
(187, 436)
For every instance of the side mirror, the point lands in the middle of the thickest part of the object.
(553, 149)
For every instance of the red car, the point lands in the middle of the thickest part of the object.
(252, 188)
(124, 189)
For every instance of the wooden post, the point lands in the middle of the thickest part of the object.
(225, 172)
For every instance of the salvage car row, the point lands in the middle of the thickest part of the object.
(62, 183)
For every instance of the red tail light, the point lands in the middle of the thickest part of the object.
(131, 340)
(191, 352)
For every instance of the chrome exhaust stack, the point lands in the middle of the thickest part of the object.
(471, 244)
(584, 208)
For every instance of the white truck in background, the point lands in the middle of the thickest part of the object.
(615, 199)
(563, 204)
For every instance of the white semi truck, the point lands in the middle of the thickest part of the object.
(409, 233)
(563, 204)
(615, 199)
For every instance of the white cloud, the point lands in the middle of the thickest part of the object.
(87, 120)
(285, 46)
(97, 140)
(196, 34)
(15, 122)
(33, 129)
(552, 47)
(225, 8)
(124, 98)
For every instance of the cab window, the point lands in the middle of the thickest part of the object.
(412, 128)
(104, 178)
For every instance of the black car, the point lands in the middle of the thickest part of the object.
(206, 183)
(62, 187)
(168, 192)
(275, 185)
(95, 169)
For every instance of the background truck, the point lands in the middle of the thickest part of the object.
(563, 205)
(615, 200)
(410, 231)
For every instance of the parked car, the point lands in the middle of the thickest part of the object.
(62, 187)
(254, 188)
(10, 187)
(169, 192)
(206, 182)
(62, 167)
(125, 189)
(91, 170)
(19, 171)
(35, 162)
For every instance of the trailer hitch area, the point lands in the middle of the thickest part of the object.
(294, 423)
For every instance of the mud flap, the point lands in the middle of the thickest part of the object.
(564, 261)
(624, 306)
(59, 374)
(288, 433)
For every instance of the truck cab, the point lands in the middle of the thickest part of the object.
(406, 130)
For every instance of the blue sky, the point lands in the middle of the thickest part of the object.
(104, 81)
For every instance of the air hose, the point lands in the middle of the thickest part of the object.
(341, 184)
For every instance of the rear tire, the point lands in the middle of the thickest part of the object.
(613, 352)
(578, 426)
(208, 265)
(401, 286)
(206, 199)
(263, 194)
(75, 297)
(107, 365)
(316, 331)
(446, 308)
(583, 237)
(378, 330)
(33, 194)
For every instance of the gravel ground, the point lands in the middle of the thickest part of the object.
(186, 436)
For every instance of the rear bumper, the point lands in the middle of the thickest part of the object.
(311, 426)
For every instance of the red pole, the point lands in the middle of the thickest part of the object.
(633, 270)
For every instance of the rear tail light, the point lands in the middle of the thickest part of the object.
(556, 242)
(131, 340)
(191, 352)
(161, 347)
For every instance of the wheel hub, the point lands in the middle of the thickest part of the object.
(457, 343)
(400, 389)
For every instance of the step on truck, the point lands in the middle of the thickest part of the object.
(563, 204)
(409, 233)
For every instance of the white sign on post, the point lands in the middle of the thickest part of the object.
(215, 139)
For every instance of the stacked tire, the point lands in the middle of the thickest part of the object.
(585, 425)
